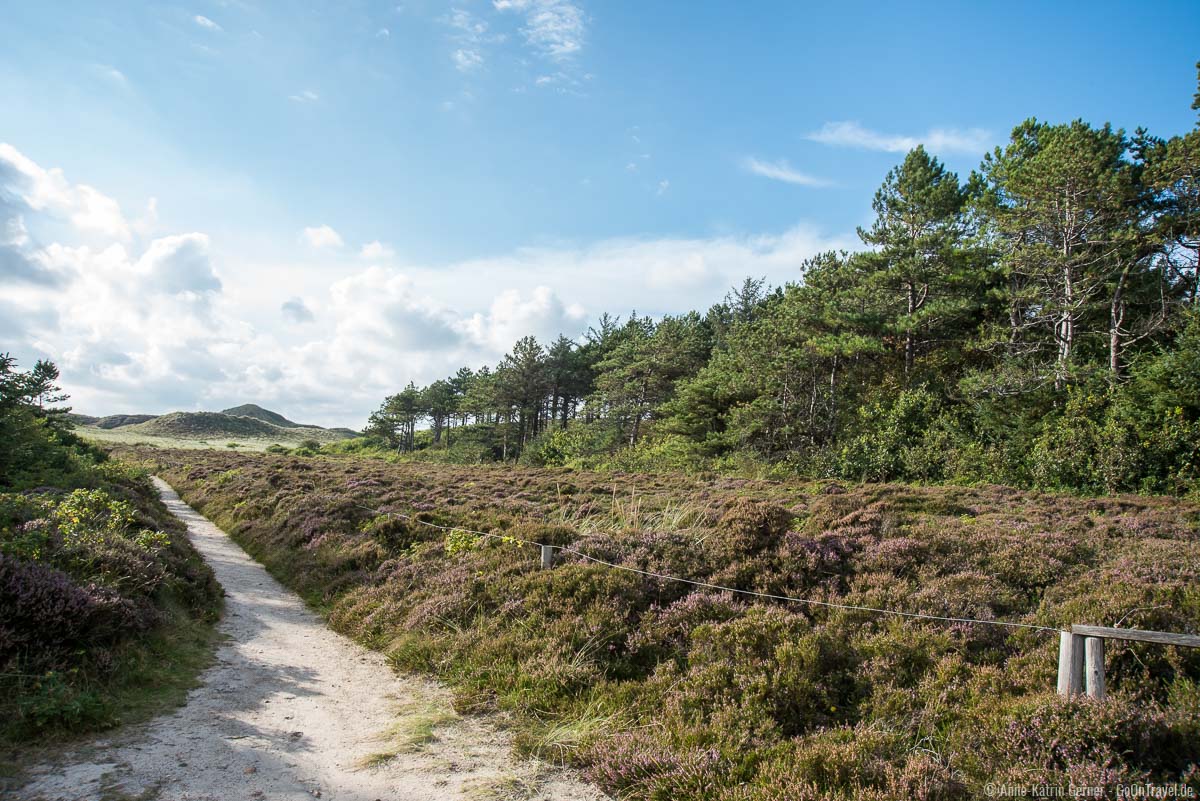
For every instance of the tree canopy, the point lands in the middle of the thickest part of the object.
(1034, 323)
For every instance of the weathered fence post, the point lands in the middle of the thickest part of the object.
(1094, 671)
(1070, 663)
(1073, 644)
(547, 555)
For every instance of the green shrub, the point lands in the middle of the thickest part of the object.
(892, 437)
(308, 447)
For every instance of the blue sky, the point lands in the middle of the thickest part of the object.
(437, 178)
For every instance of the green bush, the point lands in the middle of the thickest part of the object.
(95, 576)
(892, 434)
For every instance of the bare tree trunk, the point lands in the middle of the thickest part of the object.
(1065, 329)
(832, 426)
(637, 416)
(909, 336)
(1116, 316)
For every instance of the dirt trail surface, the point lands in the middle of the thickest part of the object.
(292, 711)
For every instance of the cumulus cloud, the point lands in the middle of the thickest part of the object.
(384, 306)
(178, 264)
(48, 190)
(781, 171)
(513, 315)
(939, 140)
(17, 264)
(151, 325)
(322, 236)
(656, 276)
(376, 250)
(296, 310)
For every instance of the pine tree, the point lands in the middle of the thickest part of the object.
(918, 234)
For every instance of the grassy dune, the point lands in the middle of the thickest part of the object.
(211, 430)
(127, 436)
(662, 690)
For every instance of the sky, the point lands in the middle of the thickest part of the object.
(307, 205)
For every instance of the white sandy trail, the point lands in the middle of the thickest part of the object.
(291, 711)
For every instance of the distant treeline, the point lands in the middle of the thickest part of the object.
(1035, 324)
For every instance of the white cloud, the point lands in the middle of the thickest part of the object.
(554, 29)
(466, 60)
(112, 74)
(383, 33)
(376, 250)
(147, 224)
(468, 26)
(663, 186)
(172, 324)
(938, 140)
(512, 315)
(781, 171)
(322, 236)
(296, 310)
(178, 264)
(87, 209)
(206, 23)
(307, 96)
(470, 34)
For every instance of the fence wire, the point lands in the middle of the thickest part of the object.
(709, 585)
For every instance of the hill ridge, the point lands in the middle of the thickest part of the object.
(205, 425)
(253, 410)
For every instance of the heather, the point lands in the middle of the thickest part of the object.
(105, 608)
(666, 690)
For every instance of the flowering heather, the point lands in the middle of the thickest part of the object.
(685, 692)
(85, 575)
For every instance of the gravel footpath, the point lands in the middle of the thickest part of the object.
(290, 711)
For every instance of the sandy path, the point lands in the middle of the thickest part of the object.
(292, 710)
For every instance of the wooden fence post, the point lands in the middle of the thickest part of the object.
(547, 555)
(1094, 670)
(1070, 663)
(1087, 643)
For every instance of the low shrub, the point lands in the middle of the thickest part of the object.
(86, 576)
(661, 689)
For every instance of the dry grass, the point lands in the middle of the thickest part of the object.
(414, 728)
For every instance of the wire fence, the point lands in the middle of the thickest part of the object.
(709, 585)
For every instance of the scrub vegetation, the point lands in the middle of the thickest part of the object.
(105, 608)
(665, 690)
(1022, 345)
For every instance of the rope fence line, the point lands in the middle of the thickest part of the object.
(1081, 660)
(707, 585)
